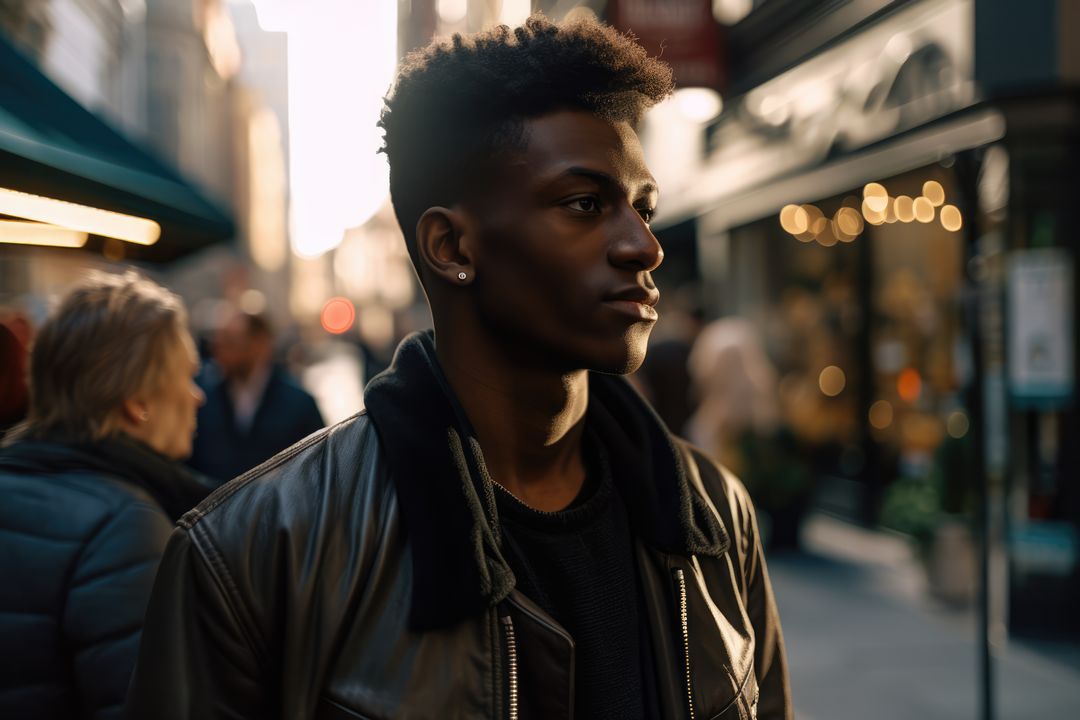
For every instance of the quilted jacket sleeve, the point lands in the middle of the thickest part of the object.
(106, 599)
(197, 658)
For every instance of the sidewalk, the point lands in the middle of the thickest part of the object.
(864, 642)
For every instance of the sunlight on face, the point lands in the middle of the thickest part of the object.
(173, 401)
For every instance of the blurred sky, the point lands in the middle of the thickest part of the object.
(342, 56)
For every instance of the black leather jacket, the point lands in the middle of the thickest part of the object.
(359, 575)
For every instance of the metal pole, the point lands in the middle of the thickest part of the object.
(976, 296)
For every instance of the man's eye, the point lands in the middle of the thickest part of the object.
(588, 205)
(646, 214)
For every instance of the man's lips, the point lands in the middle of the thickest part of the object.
(637, 302)
(637, 294)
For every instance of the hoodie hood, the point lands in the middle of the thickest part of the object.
(447, 497)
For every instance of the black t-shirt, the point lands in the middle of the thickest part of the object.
(578, 565)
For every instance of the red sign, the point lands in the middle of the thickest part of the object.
(682, 33)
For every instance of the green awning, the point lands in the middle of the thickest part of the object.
(50, 145)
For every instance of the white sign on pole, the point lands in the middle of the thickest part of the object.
(1040, 323)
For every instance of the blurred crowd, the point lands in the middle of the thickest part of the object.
(112, 428)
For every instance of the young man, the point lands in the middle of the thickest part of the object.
(508, 531)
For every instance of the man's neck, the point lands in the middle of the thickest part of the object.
(529, 422)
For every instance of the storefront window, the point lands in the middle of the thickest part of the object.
(859, 306)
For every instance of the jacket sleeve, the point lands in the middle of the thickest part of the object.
(770, 658)
(197, 658)
(106, 599)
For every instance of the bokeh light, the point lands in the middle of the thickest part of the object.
(698, 104)
(338, 315)
(909, 385)
(847, 224)
(933, 192)
(876, 196)
(832, 381)
(815, 223)
(924, 210)
(823, 232)
(872, 216)
(904, 207)
(951, 219)
(881, 414)
(957, 424)
(794, 219)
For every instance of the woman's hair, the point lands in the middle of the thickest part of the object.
(106, 342)
(460, 103)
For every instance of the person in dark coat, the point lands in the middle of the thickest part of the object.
(91, 488)
(253, 408)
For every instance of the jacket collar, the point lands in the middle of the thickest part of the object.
(172, 485)
(446, 496)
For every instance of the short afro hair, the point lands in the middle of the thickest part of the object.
(460, 103)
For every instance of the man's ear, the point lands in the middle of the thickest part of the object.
(443, 245)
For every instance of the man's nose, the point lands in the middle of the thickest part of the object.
(635, 246)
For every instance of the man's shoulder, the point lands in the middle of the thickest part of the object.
(720, 488)
(289, 387)
(319, 469)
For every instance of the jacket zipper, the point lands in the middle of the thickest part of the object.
(680, 580)
(511, 654)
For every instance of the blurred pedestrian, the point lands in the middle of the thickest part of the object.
(253, 408)
(665, 377)
(91, 487)
(738, 422)
(508, 530)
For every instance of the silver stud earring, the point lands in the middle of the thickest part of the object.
(461, 276)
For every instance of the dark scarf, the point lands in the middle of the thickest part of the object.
(448, 503)
(172, 485)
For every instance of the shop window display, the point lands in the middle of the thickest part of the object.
(859, 301)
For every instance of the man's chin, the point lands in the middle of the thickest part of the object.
(627, 360)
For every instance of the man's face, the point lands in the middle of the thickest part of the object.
(564, 250)
(237, 350)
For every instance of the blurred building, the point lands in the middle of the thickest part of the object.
(145, 107)
(90, 173)
(252, 62)
(887, 193)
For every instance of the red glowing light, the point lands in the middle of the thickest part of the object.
(909, 384)
(337, 315)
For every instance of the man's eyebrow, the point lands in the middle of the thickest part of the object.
(603, 178)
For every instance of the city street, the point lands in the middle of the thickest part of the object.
(864, 642)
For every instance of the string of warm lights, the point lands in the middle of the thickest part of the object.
(807, 223)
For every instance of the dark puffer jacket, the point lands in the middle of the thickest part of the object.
(82, 529)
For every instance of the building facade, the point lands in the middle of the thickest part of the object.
(886, 195)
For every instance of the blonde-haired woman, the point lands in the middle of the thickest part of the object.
(91, 486)
(739, 422)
